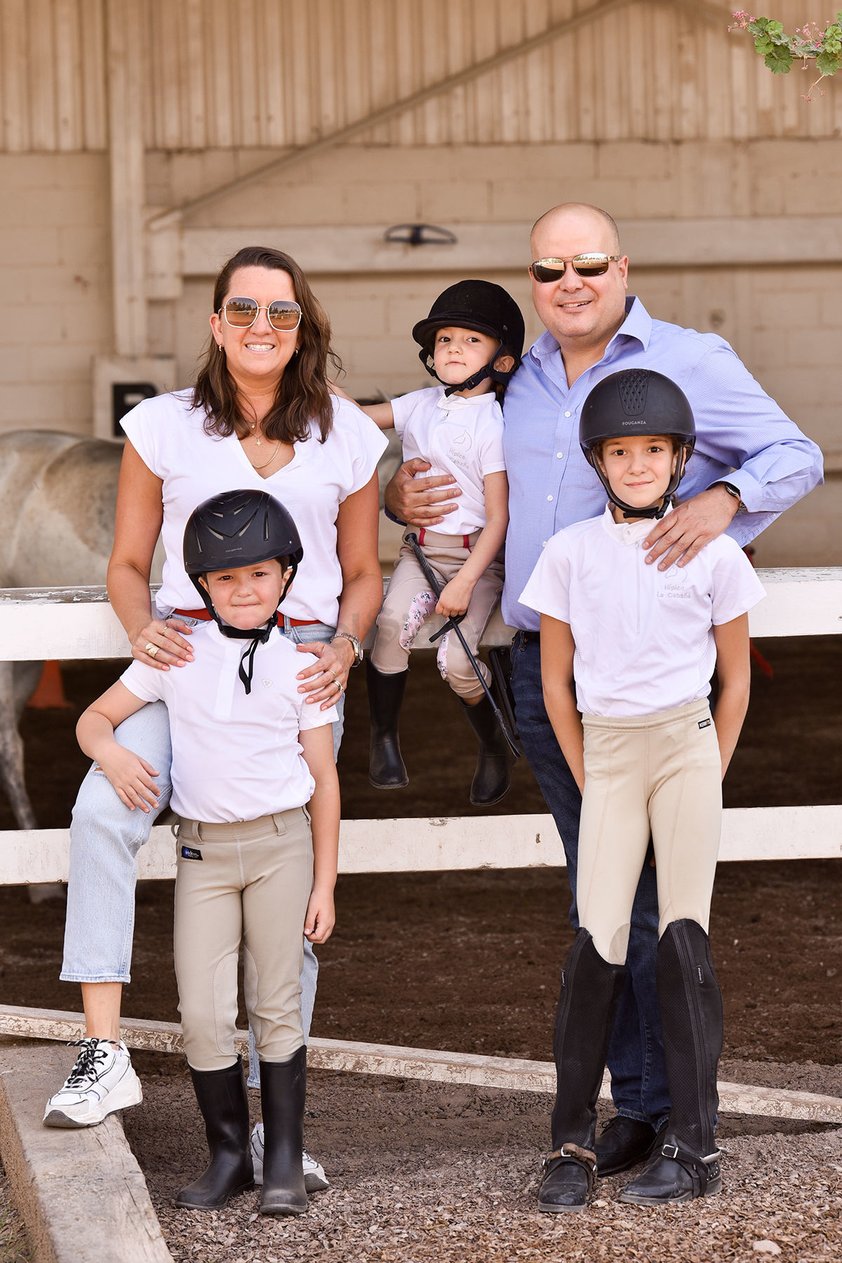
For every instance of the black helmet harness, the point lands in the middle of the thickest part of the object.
(637, 401)
(240, 528)
(484, 308)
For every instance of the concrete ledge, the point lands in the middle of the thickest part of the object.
(81, 1194)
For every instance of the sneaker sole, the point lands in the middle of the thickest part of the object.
(133, 1095)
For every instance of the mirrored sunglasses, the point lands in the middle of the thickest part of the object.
(282, 314)
(545, 271)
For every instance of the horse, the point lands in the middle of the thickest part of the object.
(57, 498)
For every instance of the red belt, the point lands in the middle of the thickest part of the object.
(466, 539)
(204, 616)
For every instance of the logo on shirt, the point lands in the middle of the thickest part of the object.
(674, 590)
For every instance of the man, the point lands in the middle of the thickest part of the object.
(750, 463)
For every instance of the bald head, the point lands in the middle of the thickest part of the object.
(581, 213)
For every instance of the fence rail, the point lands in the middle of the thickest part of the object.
(78, 623)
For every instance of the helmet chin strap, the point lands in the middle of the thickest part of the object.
(257, 635)
(487, 370)
(656, 511)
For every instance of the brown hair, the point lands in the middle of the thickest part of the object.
(303, 394)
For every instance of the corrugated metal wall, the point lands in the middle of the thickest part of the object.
(274, 73)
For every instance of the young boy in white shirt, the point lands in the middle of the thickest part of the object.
(248, 759)
(471, 342)
(627, 653)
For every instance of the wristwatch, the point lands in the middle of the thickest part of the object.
(733, 491)
(357, 646)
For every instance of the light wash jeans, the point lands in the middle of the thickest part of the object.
(105, 837)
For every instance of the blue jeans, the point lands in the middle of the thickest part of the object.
(636, 1050)
(105, 837)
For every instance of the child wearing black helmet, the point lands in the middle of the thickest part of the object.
(248, 756)
(627, 652)
(471, 342)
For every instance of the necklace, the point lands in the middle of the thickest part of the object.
(257, 468)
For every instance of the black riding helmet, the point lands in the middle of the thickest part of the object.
(240, 528)
(637, 401)
(483, 307)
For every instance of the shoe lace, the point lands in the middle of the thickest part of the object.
(86, 1063)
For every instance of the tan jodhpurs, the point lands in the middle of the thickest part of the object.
(658, 774)
(245, 884)
(446, 556)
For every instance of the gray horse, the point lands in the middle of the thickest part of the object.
(57, 497)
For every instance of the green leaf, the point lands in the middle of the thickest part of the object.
(828, 63)
(779, 61)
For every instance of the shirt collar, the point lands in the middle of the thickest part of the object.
(637, 324)
(452, 403)
(631, 532)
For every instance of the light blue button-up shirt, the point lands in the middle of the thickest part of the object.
(742, 436)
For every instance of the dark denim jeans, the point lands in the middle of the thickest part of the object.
(636, 1050)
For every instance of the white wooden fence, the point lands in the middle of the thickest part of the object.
(72, 624)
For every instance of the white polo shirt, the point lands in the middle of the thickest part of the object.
(235, 756)
(170, 440)
(643, 636)
(460, 437)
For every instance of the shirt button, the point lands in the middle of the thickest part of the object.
(568, 414)
(559, 455)
(549, 499)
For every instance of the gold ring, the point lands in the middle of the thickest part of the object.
(151, 649)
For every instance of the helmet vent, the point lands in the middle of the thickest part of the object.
(632, 390)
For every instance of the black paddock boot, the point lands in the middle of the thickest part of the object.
(492, 775)
(590, 989)
(386, 768)
(283, 1086)
(685, 1163)
(222, 1099)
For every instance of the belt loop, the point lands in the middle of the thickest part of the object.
(279, 823)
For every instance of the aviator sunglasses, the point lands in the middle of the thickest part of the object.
(241, 313)
(544, 271)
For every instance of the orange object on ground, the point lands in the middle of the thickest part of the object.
(49, 692)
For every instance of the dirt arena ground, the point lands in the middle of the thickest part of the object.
(469, 961)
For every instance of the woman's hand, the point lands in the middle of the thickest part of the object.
(326, 680)
(159, 644)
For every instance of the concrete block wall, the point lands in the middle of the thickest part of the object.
(785, 321)
(56, 314)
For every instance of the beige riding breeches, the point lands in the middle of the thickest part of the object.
(244, 884)
(446, 554)
(657, 775)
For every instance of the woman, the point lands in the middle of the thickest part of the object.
(260, 414)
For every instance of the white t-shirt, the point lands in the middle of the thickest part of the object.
(461, 437)
(644, 638)
(193, 466)
(235, 756)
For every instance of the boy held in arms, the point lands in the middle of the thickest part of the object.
(471, 342)
(248, 759)
(627, 653)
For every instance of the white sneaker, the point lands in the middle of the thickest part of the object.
(101, 1082)
(315, 1180)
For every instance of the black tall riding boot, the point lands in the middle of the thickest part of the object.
(386, 769)
(590, 989)
(686, 1164)
(492, 775)
(222, 1099)
(283, 1087)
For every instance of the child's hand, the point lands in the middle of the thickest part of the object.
(321, 916)
(455, 597)
(131, 776)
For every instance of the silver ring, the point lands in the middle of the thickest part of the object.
(151, 649)
(338, 685)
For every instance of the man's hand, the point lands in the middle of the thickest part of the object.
(682, 534)
(418, 501)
